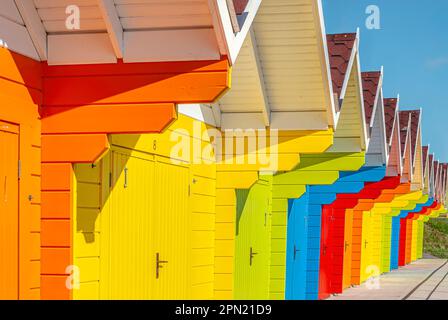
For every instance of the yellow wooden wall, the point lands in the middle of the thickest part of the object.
(91, 214)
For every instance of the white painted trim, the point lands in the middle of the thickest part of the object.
(113, 24)
(378, 111)
(396, 128)
(224, 29)
(242, 121)
(333, 116)
(266, 109)
(365, 139)
(16, 38)
(200, 112)
(69, 49)
(34, 26)
(419, 133)
(408, 149)
(302, 120)
(216, 114)
(377, 96)
(171, 45)
(313, 120)
(350, 65)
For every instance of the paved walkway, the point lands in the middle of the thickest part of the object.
(426, 279)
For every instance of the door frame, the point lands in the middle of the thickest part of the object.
(14, 128)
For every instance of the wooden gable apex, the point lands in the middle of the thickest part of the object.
(351, 129)
(281, 78)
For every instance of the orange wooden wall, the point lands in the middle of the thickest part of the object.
(65, 114)
(20, 97)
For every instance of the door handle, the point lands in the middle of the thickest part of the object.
(295, 252)
(346, 246)
(126, 177)
(252, 255)
(159, 264)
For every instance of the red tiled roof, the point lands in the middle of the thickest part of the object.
(425, 150)
(370, 82)
(240, 5)
(404, 122)
(340, 48)
(390, 108)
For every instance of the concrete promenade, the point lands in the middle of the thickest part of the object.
(425, 279)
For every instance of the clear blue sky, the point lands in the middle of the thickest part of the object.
(412, 45)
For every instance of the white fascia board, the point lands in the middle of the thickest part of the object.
(364, 136)
(376, 104)
(419, 135)
(408, 148)
(396, 126)
(222, 23)
(170, 45)
(379, 126)
(378, 112)
(16, 38)
(69, 49)
(266, 109)
(352, 61)
(303, 120)
(234, 121)
(197, 111)
(216, 113)
(332, 116)
(35, 27)
(113, 24)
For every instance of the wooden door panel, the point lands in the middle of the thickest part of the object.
(9, 212)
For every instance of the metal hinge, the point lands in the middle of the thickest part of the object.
(19, 169)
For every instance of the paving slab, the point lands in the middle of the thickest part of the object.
(425, 279)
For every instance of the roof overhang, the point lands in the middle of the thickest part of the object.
(105, 31)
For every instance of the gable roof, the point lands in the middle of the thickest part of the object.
(370, 85)
(391, 115)
(281, 79)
